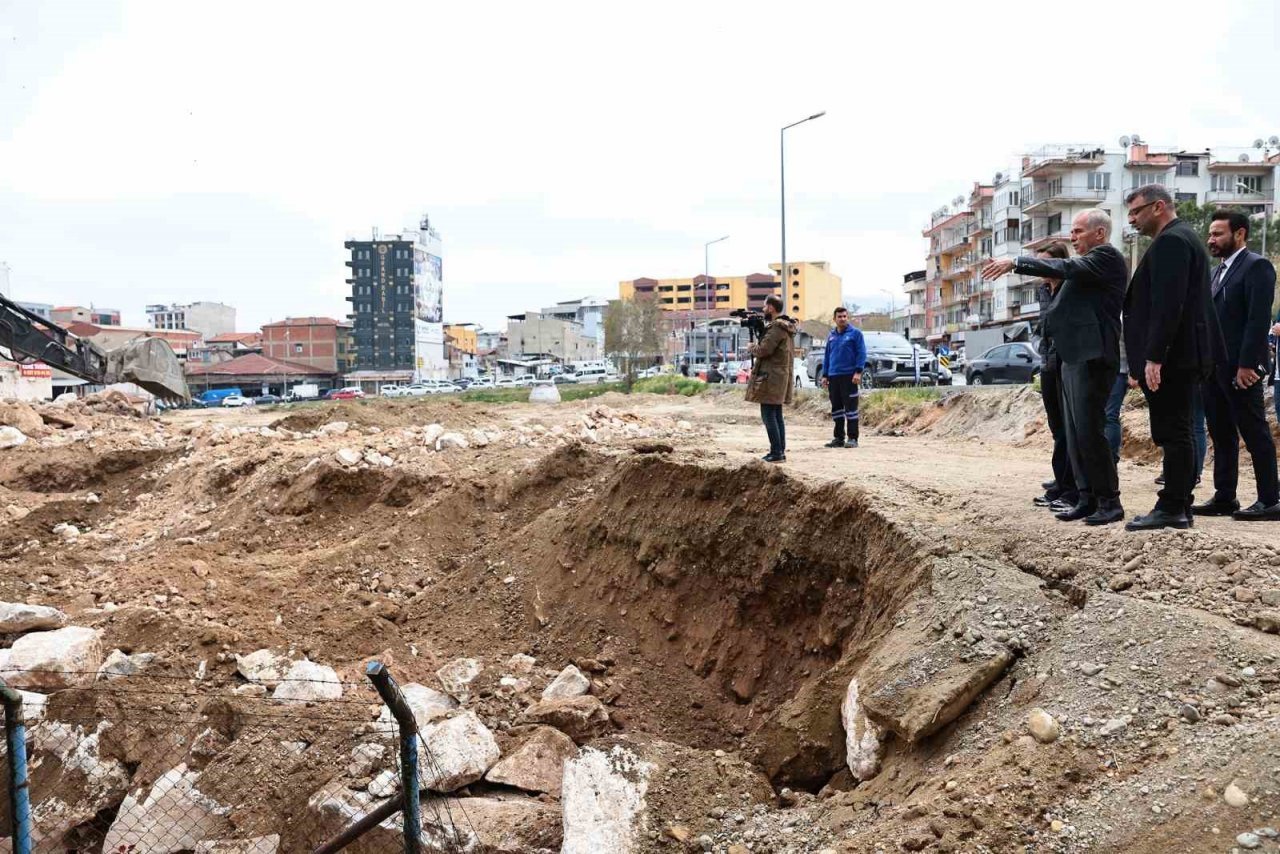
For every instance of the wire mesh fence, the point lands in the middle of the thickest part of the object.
(159, 763)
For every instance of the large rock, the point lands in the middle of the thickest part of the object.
(17, 617)
(580, 718)
(863, 743)
(427, 704)
(604, 802)
(22, 417)
(69, 761)
(11, 437)
(119, 664)
(537, 765)
(492, 825)
(570, 683)
(263, 666)
(307, 681)
(455, 752)
(172, 816)
(256, 845)
(456, 677)
(52, 661)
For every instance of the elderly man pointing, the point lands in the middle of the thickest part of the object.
(1084, 322)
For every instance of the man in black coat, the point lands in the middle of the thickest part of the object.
(1242, 288)
(1084, 323)
(1063, 494)
(1173, 339)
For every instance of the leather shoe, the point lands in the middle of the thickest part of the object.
(770, 458)
(852, 443)
(1061, 506)
(1157, 519)
(1109, 511)
(1258, 512)
(1080, 511)
(1049, 485)
(1043, 500)
(835, 443)
(1215, 507)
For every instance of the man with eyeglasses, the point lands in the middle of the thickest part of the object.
(1173, 341)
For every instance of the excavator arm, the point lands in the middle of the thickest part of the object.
(147, 362)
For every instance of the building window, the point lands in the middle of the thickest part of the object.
(1055, 224)
(1188, 168)
(1141, 179)
(297, 349)
(1184, 197)
(1099, 180)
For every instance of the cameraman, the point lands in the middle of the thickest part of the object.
(772, 376)
(842, 363)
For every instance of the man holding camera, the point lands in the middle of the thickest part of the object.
(842, 362)
(772, 375)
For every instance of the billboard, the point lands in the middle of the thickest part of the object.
(428, 315)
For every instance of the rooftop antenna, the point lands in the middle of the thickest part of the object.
(1137, 140)
(1243, 158)
(1258, 143)
(1124, 141)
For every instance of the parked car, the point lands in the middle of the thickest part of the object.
(565, 379)
(483, 382)
(348, 393)
(235, 400)
(439, 387)
(1006, 363)
(506, 382)
(525, 380)
(266, 399)
(650, 372)
(214, 396)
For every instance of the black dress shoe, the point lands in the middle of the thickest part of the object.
(852, 443)
(770, 458)
(1080, 511)
(1109, 511)
(1043, 501)
(1160, 480)
(1215, 507)
(1049, 485)
(1157, 519)
(835, 443)
(1258, 512)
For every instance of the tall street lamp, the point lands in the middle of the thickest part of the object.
(893, 308)
(706, 281)
(783, 275)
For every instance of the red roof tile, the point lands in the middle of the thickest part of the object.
(255, 364)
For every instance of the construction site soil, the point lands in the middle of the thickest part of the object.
(876, 649)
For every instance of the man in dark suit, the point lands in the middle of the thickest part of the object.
(1062, 493)
(1173, 339)
(1242, 289)
(1084, 323)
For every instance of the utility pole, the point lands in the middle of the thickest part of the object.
(706, 283)
(783, 274)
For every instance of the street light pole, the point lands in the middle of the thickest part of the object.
(893, 308)
(706, 279)
(783, 276)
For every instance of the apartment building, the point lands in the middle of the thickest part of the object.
(207, 318)
(1023, 211)
(813, 291)
(533, 334)
(316, 342)
(65, 314)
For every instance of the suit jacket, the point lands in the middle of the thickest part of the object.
(1084, 319)
(1243, 306)
(1048, 356)
(1168, 313)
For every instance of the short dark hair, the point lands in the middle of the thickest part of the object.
(839, 309)
(1150, 194)
(1236, 220)
(1056, 249)
(774, 300)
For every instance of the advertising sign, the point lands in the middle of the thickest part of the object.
(428, 316)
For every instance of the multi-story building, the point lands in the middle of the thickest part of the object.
(396, 300)
(317, 342)
(224, 348)
(461, 348)
(113, 337)
(588, 312)
(207, 318)
(39, 309)
(78, 313)
(909, 320)
(813, 291)
(533, 334)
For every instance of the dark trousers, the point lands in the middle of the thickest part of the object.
(1170, 412)
(1199, 437)
(1234, 414)
(1051, 394)
(771, 415)
(1086, 387)
(843, 393)
(1115, 435)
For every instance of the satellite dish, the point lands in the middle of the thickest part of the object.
(1124, 142)
(1137, 140)
(1257, 143)
(1273, 141)
(999, 177)
(1243, 158)
(958, 201)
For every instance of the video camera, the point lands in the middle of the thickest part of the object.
(753, 321)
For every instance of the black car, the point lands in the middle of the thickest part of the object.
(1005, 363)
(265, 399)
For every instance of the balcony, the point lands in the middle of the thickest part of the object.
(1041, 235)
(951, 244)
(1232, 197)
(915, 309)
(1045, 196)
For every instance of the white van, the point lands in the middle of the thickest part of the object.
(594, 376)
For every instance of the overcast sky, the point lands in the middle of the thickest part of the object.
(176, 151)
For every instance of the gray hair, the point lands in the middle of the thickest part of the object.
(1097, 218)
(1150, 194)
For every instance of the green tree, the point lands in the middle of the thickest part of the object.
(1199, 217)
(631, 333)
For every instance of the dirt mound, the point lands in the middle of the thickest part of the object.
(385, 415)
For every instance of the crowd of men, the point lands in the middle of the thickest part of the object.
(1193, 336)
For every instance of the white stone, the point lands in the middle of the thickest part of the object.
(521, 664)
(334, 428)
(1042, 726)
(364, 758)
(17, 617)
(119, 664)
(537, 765)
(603, 797)
(427, 704)
(864, 742)
(89, 781)
(456, 677)
(431, 433)
(452, 440)
(51, 661)
(456, 752)
(68, 532)
(92, 498)
(544, 394)
(384, 785)
(570, 683)
(255, 845)
(684, 426)
(263, 667)
(347, 456)
(33, 708)
(1235, 796)
(478, 438)
(307, 681)
(172, 816)
(11, 437)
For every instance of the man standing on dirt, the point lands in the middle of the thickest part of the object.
(1063, 494)
(1084, 323)
(1173, 340)
(772, 377)
(842, 364)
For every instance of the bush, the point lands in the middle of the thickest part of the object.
(582, 392)
(685, 386)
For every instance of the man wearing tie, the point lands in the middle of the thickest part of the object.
(1243, 286)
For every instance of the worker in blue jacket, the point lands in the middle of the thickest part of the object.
(842, 364)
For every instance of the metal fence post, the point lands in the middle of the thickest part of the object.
(408, 726)
(15, 732)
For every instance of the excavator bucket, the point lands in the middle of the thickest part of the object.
(151, 364)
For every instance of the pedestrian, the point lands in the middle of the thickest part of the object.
(772, 376)
(1242, 288)
(1084, 324)
(842, 362)
(1173, 339)
(1063, 493)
